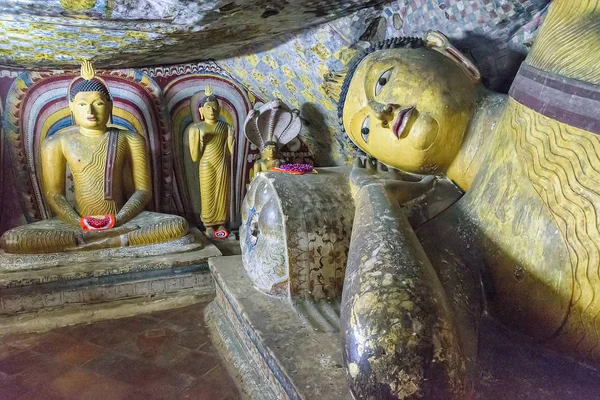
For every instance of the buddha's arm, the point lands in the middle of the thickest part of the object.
(397, 326)
(141, 179)
(230, 138)
(54, 166)
(194, 139)
(257, 167)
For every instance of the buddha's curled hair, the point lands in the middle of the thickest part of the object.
(208, 97)
(89, 85)
(392, 43)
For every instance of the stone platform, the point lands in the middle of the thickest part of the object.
(40, 292)
(284, 352)
(278, 352)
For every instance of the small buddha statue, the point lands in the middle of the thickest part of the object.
(268, 158)
(522, 243)
(211, 143)
(97, 155)
(269, 128)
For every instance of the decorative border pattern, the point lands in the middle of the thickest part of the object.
(566, 100)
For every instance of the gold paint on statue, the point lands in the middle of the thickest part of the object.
(211, 143)
(526, 234)
(97, 156)
(415, 121)
(268, 159)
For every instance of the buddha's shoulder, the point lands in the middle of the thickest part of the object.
(198, 126)
(61, 135)
(130, 136)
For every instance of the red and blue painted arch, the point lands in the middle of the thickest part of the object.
(37, 107)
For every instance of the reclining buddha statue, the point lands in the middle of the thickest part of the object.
(522, 243)
(97, 155)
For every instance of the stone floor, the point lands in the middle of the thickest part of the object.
(163, 355)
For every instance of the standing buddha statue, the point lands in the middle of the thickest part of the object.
(211, 142)
(97, 155)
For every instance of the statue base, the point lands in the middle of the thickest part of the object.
(279, 353)
(41, 292)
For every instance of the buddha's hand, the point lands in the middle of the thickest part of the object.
(400, 185)
(97, 222)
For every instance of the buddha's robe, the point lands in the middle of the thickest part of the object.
(214, 175)
(97, 176)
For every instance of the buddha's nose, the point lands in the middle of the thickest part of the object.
(383, 112)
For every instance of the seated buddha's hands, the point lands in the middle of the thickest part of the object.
(400, 185)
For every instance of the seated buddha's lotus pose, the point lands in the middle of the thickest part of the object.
(525, 238)
(96, 155)
(211, 142)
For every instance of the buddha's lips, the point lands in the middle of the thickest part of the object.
(402, 121)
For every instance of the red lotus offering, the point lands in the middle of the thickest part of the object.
(295, 169)
(97, 222)
(221, 234)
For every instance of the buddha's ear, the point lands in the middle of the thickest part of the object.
(201, 112)
(437, 41)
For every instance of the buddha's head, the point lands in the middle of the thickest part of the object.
(209, 106)
(270, 151)
(409, 107)
(90, 101)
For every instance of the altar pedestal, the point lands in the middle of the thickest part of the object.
(277, 351)
(41, 292)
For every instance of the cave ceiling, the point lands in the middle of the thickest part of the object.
(132, 33)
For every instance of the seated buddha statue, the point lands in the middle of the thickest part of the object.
(268, 159)
(269, 128)
(522, 244)
(97, 155)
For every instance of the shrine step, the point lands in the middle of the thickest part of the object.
(277, 351)
(69, 293)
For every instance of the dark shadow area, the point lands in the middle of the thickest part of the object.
(511, 366)
(497, 62)
(229, 246)
(315, 127)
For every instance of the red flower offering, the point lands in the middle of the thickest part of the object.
(221, 234)
(295, 169)
(97, 222)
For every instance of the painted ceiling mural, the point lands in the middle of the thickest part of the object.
(275, 48)
(131, 33)
(495, 33)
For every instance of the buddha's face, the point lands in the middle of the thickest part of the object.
(269, 152)
(91, 110)
(409, 108)
(210, 110)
